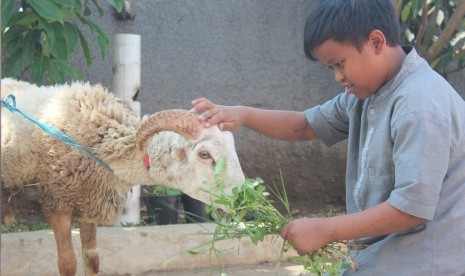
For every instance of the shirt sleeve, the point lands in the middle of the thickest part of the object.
(329, 120)
(421, 149)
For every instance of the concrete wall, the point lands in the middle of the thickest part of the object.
(139, 251)
(246, 52)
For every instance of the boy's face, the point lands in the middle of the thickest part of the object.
(359, 72)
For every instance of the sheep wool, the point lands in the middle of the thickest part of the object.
(71, 185)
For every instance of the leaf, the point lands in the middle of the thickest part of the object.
(12, 64)
(47, 9)
(99, 9)
(12, 38)
(85, 47)
(28, 50)
(56, 75)
(406, 12)
(220, 166)
(7, 12)
(38, 68)
(461, 62)
(439, 4)
(87, 11)
(57, 43)
(74, 4)
(71, 36)
(99, 35)
(116, 4)
(59, 69)
(23, 18)
(221, 201)
(71, 72)
(416, 6)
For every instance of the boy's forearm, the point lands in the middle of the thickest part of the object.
(380, 220)
(284, 125)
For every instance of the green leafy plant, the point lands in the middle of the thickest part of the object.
(437, 29)
(159, 190)
(40, 36)
(249, 213)
(20, 227)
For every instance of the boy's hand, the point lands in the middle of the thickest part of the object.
(306, 235)
(226, 117)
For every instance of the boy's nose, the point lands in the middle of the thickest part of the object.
(338, 76)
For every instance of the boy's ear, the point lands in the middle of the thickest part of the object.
(377, 40)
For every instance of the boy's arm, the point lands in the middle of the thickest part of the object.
(284, 125)
(279, 124)
(309, 234)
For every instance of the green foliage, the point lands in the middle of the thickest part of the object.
(19, 227)
(437, 29)
(329, 260)
(159, 190)
(16, 227)
(249, 213)
(40, 36)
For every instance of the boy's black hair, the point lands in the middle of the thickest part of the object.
(350, 21)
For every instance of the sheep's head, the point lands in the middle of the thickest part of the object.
(182, 154)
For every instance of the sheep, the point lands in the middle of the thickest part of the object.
(73, 186)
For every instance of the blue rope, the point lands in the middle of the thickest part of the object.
(51, 130)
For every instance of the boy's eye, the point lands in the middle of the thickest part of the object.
(337, 65)
(340, 64)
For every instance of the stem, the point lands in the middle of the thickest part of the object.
(447, 33)
(424, 23)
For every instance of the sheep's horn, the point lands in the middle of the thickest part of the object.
(181, 121)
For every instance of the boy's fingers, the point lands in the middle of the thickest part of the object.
(201, 104)
(284, 232)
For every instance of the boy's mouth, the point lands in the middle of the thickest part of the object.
(347, 88)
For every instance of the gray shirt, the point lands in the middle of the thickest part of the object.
(406, 146)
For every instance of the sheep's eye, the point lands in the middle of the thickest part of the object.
(204, 155)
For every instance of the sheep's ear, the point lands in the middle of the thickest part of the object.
(178, 154)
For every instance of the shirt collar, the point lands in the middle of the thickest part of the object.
(410, 63)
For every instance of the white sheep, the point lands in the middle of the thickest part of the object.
(74, 186)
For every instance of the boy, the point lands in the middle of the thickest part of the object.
(405, 126)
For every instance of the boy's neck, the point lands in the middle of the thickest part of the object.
(396, 55)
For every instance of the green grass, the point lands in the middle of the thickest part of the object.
(249, 213)
(17, 227)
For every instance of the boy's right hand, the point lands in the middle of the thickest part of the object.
(226, 117)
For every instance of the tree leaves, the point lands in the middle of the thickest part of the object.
(47, 10)
(40, 37)
(437, 29)
(7, 11)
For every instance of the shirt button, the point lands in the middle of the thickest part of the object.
(372, 112)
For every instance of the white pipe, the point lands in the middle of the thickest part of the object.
(126, 84)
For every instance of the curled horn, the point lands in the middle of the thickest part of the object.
(181, 121)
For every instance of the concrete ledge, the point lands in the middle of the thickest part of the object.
(133, 250)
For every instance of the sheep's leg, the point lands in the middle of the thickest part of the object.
(61, 225)
(89, 248)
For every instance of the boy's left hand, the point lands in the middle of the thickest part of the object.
(306, 235)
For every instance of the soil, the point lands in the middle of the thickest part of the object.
(266, 269)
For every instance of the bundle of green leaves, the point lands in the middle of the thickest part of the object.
(248, 212)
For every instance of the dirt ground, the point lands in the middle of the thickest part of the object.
(266, 269)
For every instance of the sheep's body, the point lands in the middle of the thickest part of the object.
(70, 181)
(71, 184)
